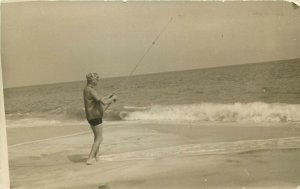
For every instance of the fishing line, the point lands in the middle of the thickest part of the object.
(47, 139)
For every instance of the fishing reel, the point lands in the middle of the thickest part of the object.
(115, 100)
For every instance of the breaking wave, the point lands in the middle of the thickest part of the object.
(237, 112)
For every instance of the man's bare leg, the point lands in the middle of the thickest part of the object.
(97, 130)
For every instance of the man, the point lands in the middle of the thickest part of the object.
(94, 109)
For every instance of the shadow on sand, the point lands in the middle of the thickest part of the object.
(103, 186)
(78, 158)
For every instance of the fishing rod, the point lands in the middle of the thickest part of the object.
(142, 57)
(140, 61)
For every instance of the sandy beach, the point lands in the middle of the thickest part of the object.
(149, 155)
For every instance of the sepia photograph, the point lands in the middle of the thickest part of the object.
(150, 95)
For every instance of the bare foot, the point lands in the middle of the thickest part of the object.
(90, 162)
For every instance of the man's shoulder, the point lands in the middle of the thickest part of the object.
(87, 89)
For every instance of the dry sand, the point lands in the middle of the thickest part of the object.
(156, 156)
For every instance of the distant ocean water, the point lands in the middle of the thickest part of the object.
(265, 92)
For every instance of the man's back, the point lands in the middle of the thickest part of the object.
(93, 107)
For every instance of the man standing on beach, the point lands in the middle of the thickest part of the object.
(94, 109)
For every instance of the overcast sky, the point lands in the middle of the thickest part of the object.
(50, 42)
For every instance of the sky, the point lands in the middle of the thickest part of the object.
(52, 42)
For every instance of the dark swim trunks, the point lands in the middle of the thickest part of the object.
(95, 122)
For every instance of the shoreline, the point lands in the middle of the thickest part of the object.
(26, 134)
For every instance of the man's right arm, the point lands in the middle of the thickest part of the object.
(106, 100)
(109, 99)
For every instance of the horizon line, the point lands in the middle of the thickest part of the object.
(202, 68)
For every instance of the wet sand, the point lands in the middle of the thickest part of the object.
(156, 156)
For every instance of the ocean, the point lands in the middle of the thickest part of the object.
(250, 93)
